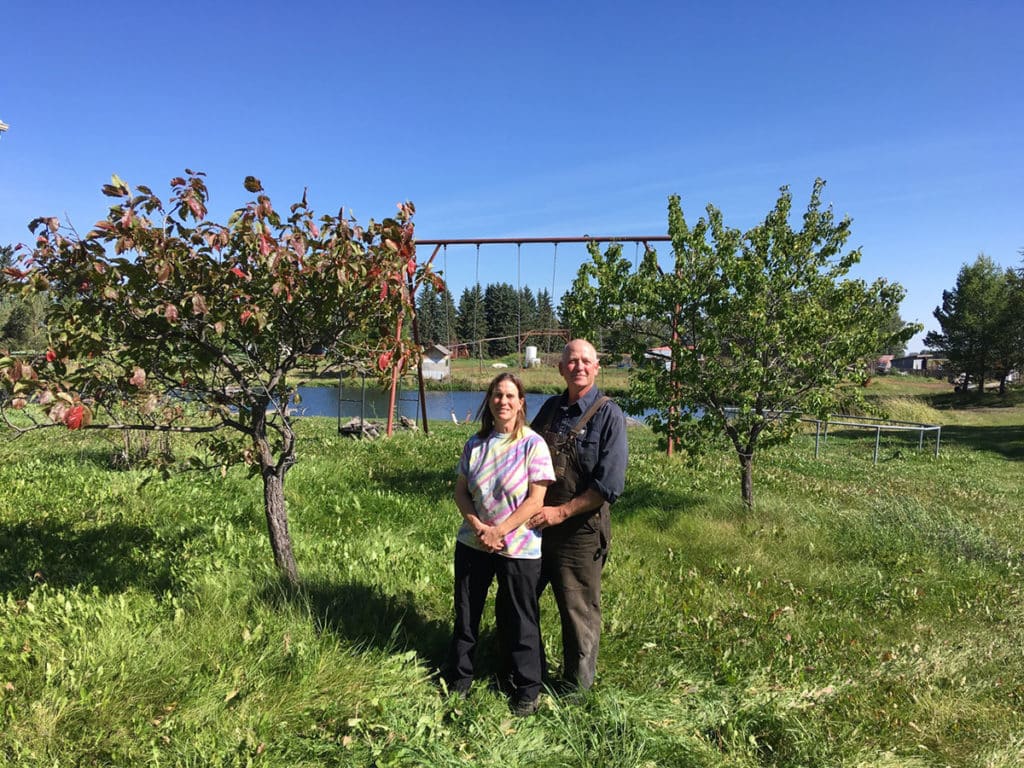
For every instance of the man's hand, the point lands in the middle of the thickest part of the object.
(547, 516)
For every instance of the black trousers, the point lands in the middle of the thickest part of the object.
(516, 611)
(573, 560)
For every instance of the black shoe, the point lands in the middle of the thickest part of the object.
(525, 707)
(459, 688)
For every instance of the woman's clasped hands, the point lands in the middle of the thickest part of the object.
(491, 537)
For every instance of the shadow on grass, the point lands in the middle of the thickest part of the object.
(1007, 441)
(973, 400)
(109, 557)
(432, 485)
(643, 500)
(369, 618)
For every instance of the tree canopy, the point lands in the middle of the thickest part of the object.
(744, 332)
(21, 315)
(982, 323)
(158, 308)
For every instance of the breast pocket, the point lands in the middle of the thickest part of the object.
(587, 451)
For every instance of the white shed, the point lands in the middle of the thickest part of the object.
(437, 362)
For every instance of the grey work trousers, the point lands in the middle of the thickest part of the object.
(572, 564)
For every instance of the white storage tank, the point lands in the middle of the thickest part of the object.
(531, 357)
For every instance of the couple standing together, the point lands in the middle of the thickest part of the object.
(535, 505)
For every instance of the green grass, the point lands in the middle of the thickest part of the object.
(863, 615)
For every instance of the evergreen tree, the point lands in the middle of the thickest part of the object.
(502, 315)
(448, 320)
(428, 316)
(1008, 345)
(547, 321)
(973, 318)
(472, 325)
(528, 310)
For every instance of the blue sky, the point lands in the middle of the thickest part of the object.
(537, 119)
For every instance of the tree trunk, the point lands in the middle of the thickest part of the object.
(747, 479)
(277, 524)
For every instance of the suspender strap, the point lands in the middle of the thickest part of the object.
(598, 404)
(549, 414)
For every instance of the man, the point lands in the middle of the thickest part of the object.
(586, 433)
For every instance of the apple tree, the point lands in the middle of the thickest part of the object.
(206, 327)
(744, 332)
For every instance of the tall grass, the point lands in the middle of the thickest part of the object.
(863, 615)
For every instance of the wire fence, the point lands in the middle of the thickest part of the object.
(877, 425)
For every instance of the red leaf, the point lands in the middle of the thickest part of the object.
(239, 272)
(196, 207)
(138, 378)
(50, 355)
(246, 314)
(73, 417)
(384, 360)
(410, 268)
(171, 313)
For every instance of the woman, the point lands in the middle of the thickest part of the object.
(503, 473)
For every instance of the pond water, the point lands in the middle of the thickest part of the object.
(323, 401)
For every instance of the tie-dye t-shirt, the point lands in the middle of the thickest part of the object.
(498, 470)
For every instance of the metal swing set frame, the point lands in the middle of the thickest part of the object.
(440, 244)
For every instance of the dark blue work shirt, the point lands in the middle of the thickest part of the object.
(601, 446)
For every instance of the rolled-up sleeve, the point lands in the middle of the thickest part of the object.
(608, 471)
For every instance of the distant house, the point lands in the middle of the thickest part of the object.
(884, 363)
(437, 362)
(664, 354)
(923, 363)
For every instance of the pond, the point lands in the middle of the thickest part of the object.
(323, 401)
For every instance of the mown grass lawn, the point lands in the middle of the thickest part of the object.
(863, 615)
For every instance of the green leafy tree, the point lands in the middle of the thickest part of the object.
(892, 326)
(157, 298)
(757, 328)
(598, 311)
(975, 321)
(22, 317)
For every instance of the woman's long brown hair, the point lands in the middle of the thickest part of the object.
(485, 415)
